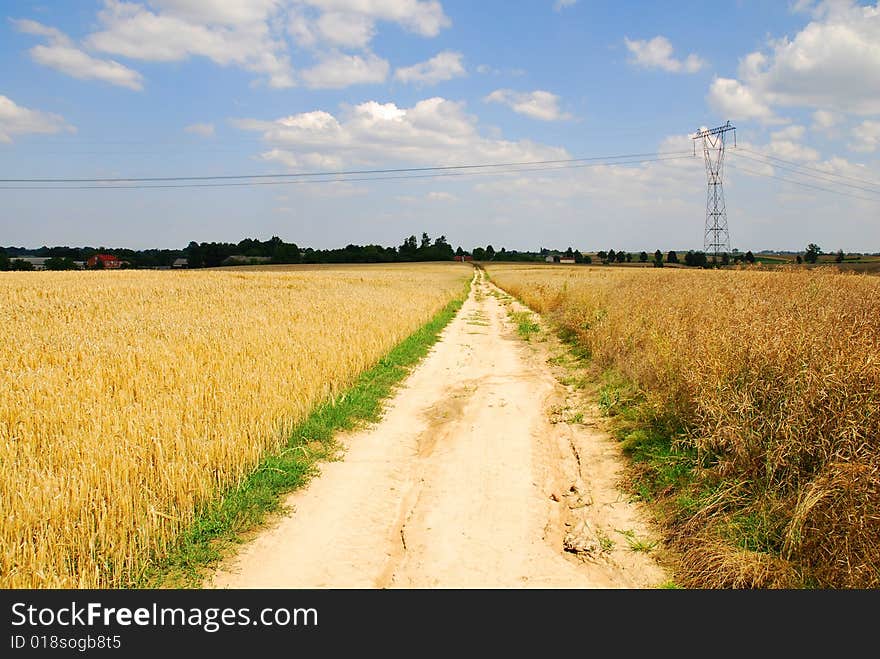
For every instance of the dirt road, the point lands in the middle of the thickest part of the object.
(466, 482)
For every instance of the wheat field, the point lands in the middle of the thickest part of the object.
(774, 377)
(130, 397)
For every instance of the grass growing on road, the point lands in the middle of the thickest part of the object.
(219, 525)
(749, 402)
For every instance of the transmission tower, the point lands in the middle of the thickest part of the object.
(716, 240)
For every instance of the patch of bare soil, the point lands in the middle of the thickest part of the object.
(476, 477)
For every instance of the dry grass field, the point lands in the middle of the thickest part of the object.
(769, 381)
(130, 397)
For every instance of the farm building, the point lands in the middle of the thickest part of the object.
(39, 262)
(107, 261)
(466, 257)
(180, 263)
(566, 260)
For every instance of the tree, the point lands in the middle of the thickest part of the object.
(408, 249)
(643, 256)
(658, 259)
(612, 256)
(811, 255)
(622, 256)
(426, 241)
(479, 254)
(21, 264)
(672, 257)
(696, 259)
(839, 257)
(59, 263)
(725, 259)
(569, 253)
(490, 252)
(459, 251)
(798, 259)
(586, 258)
(750, 258)
(602, 255)
(4, 261)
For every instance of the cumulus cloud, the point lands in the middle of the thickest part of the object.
(336, 70)
(824, 120)
(832, 65)
(538, 104)
(559, 5)
(423, 17)
(732, 99)
(657, 54)
(253, 35)
(203, 130)
(790, 133)
(18, 120)
(866, 137)
(63, 55)
(346, 29)
(434, 130)
(443, 66)
(229, 34)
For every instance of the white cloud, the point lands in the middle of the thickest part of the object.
(424, 17)
(789, 150)
(732, 99)
(559, 5)
(440, 196)
(824, 120)
(657, 54)
(253, 35)
(235, 35)
(336, 70)
(63, 55)
(225, 12)
(538, 104)
(867, 135)
(443, 66)
(203, 130)
(833, 64)
(433, 131)
(18, 120)
(347, 30)
(790, 133)
(306, 161)
(433, 196)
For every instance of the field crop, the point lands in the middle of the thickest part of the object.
(129, 398)
(767, 381)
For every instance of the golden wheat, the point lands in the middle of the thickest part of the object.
(776, 376)
(130, 397)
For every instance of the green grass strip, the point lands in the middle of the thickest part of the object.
(219, 525)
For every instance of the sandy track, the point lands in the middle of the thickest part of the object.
(465, 482)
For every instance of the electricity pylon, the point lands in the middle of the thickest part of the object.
(716, 240)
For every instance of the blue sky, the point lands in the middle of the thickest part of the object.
(231, 87)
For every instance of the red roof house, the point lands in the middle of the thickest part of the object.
(107, 261)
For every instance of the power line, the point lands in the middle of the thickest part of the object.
(816, 176)
(806, 185)
(398, 170)
(813, 169)
(411, 174)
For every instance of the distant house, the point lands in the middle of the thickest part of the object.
(551, 259)
(180, 263)
(466, 257)
(108, 261)
(566, 260)
(39, 262)
(241, 259)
